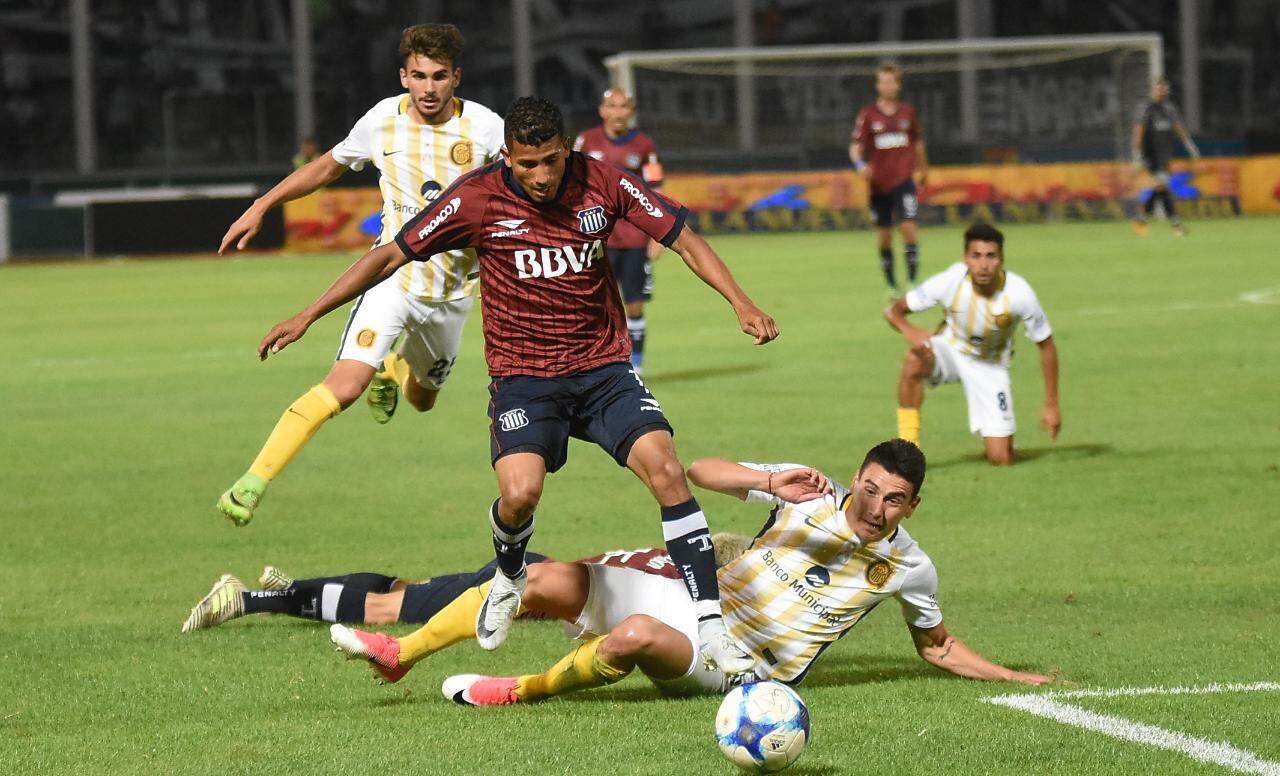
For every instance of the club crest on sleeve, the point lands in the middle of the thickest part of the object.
(592, 219)
(365, 338)
(513, 419)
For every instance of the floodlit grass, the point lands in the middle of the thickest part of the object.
(1139, 549)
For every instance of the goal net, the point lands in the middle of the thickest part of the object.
(1048, 98)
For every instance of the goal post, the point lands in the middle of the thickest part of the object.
(1070, 97)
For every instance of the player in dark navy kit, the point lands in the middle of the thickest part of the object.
(556, 343)
(887, 149)
(630, 250)
(1159, 123)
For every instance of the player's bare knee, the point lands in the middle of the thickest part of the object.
(632, 637)
(667, 481)
(520, 499)
(1000, 455)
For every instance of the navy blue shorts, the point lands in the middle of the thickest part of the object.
(608, 405)
(423, 599)
(635, 276)
(900, 201)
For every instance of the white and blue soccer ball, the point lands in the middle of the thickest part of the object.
(762, 727)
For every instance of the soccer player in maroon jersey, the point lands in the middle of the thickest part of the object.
(556, 344)
(630, 250)
(886, 149)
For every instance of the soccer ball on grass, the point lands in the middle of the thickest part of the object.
(762, 727)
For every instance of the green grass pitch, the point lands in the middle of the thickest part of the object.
(1140, 549)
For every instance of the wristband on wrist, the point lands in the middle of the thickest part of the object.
(859, 165)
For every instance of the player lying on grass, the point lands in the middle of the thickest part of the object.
(377, 599)
(825, 558)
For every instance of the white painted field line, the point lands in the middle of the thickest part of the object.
(1208, 689)
(1262, 296)
(1202, 749)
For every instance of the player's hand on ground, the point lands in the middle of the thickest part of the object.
(1051, 419)
(1035, 680)
(754, 322)
(282, 334)
(799, 485)
(244, 229)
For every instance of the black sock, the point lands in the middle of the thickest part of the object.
(636, 330)
(1149, 206)
(886, 265)
(684, 528)
(509, 543)
(1166, 199)
(321, 599)
(913, 261)
(367, 581)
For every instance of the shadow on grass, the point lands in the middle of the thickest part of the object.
(1028, 455)
(693, 375)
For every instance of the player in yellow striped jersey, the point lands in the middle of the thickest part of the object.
(826, 557)
(983, 304)
(420, 142)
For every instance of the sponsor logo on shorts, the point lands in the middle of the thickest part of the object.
(366, 337)
(460, 152)
(878, 573)
(650, 405)
(640, 197)
(512, 420)
(592, 219)
(445, 212)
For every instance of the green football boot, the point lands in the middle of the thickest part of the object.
(242, 498)
(383, 396)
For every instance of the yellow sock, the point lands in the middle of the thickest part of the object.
(397, 367)
(296, 426)
(581, 669)
(455, 622)
(909, 424)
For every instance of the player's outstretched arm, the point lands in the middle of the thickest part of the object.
(1051, 417)
(734, 479)
(368, 271)
(939, 648)
(318, 172)
(710, 268)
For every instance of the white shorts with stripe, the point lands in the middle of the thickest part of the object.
(433, 331)
(618, 593)
(986, 387)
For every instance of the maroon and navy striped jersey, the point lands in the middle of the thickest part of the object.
(633, 152)
(650, 561)
(551, 304)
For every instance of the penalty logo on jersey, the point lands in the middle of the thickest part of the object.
(592, 219)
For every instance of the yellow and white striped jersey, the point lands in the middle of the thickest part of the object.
(978, 326)
(417, 162)
(806, 580)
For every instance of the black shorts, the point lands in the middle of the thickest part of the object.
(635, 276)
(608, 405)
(423, 599)
(900, 200)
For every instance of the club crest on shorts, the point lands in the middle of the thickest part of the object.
(365, 338)
(592, 219)
(512, 420)
(878, 573)
(460, 152)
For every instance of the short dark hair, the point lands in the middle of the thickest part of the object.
(439, 42)
(901, 458)
(532, 121)
(981, 230)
